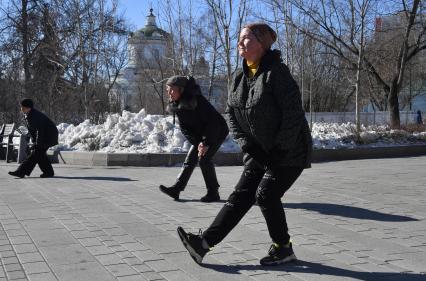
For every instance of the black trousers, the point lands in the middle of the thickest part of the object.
(206, 166)
(36, 156)
(265, 186)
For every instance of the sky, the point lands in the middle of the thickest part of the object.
(136, 11)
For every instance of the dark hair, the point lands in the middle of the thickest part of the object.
(27, 103)
(191, 87)
(177, 80)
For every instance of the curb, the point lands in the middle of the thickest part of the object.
(328, 155)
(223, 159)
(135, 159)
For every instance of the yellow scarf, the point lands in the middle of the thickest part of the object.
(252, 67)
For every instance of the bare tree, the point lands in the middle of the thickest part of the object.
(95, 33)
(321, 75)
(214, 65)
(47, 67)
(23, 27)
(66, 56)
(223, 14)
(361, 10)
(21, 20)
(339, 31)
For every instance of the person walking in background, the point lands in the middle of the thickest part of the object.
(266, 118)
(204, 128)
(419, 119)
(44, 134)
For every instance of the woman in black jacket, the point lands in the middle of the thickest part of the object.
(204, 128)
(266, 118)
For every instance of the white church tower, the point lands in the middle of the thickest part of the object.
(149, 50)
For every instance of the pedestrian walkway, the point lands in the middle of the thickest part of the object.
(349, 220)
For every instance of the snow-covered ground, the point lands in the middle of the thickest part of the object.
(144, 133)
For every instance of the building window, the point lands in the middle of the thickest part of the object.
(156, 53)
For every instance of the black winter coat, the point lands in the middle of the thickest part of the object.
(265, 114)
(42, 130)
(199, 121)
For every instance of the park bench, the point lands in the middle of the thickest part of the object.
(7, 145)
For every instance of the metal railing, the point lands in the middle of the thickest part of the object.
(366, 118)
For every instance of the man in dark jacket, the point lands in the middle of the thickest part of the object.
(44, 134)
(204, 128)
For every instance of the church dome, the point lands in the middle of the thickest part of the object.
(151, 30)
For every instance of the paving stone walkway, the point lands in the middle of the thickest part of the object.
(349, 220)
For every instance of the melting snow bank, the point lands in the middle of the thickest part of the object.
(336, 136)
(145, 133)
(131, 133)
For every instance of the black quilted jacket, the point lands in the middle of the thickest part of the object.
(265, 112)
(198, 119)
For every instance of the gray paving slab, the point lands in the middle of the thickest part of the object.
(349, 220)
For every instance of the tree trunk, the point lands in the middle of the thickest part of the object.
(395, 121)
(402, 61)
(363, 9)
(213, 72)
(25, 44)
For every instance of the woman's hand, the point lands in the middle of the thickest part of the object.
(202, 149)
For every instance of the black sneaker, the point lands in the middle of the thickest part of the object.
(278, 255)
(47, 175)
(172, 191)
(194, 244)
(210, 197)
(17, 174)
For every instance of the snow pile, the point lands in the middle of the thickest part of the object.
(333, 135)
(144, 133)
(130, 132)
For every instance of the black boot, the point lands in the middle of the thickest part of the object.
(211, 196)
(172, 191)
(17, 174)
(209, 174)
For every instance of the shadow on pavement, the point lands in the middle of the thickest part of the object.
(322, 269)
(95, 178)
(348, 211)
(198, 200)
